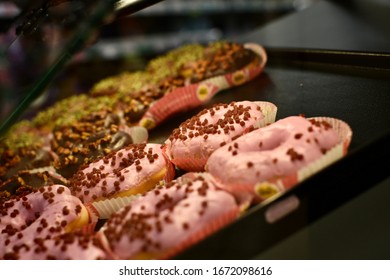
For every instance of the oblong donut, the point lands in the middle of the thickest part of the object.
(75, 245)
(128, 172)
(190, 145)
(43, 214)
(169, 218)
(269, 153)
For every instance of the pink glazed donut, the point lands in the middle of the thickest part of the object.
(129, 171)
(169, 219)
(275, 151)
(43, 214)
(75, 245)
(190, 145)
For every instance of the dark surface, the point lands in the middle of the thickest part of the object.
(357, 94)
(325, 25)
(357, 230)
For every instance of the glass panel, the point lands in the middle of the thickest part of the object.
(37, 42)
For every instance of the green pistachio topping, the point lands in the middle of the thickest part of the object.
(169, 64)
(21, 135)
(72, 109)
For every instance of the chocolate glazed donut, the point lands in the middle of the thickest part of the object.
(94, 136)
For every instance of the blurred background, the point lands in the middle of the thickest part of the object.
(125, 44)
(32, 38)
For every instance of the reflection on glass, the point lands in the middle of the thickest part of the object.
(37, 44)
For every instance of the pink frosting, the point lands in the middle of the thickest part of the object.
(274, 151)
(120, 171)
(42, 214)
(169, 218)
(195, 140)
(67, 246)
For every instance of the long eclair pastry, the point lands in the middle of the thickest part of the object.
(222, 65)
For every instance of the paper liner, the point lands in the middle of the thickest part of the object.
(103, 209)
(190, 164)
(192, 96)
(139, 134)
(269, 111)
(89, 228)
(207, 230)
(179, 100)
(197, 163)
(269, 188)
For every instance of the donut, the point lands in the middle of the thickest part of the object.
(13, 161)
(132, 92)
(194, 63)
(135, 92)
(69, 110)
(168, 219)
(60, 141)
(190, 145)
(125, 83)
(90, 138)
(41, 214)
(170, 63)
(219, 58)
(269, 153)
(75, 245)
(25, 167)
(24, 147)
(130, 171)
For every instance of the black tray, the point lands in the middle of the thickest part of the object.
(313, 83)
(358, 96)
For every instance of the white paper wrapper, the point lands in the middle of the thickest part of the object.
(104, 208)
(139, 134)
(269, 111)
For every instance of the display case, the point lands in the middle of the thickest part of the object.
(316, 67)
(338, 68)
